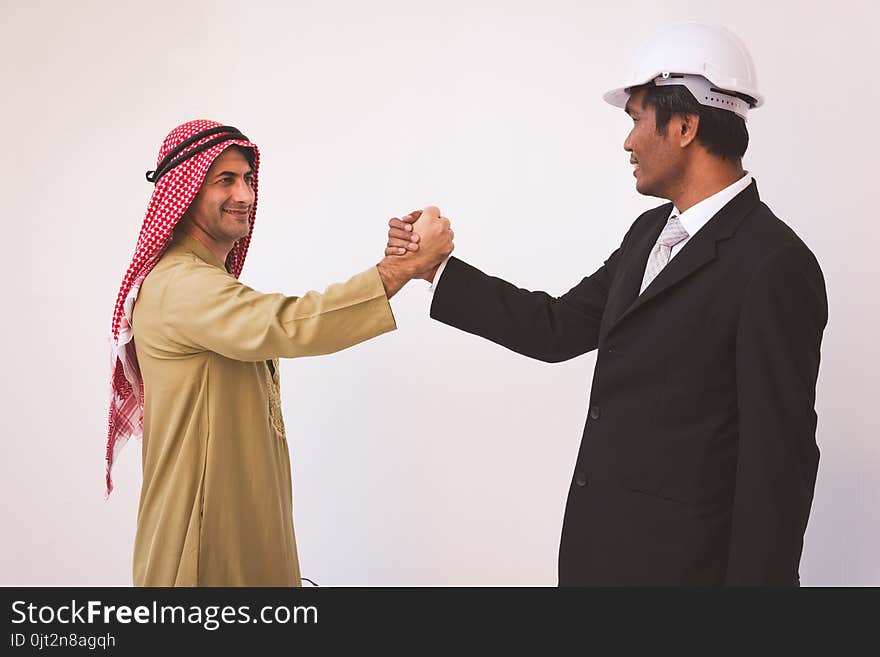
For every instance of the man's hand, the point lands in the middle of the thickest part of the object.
(422, 237)
(417, 244)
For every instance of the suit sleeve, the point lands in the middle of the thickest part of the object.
(207, 309)
(533, 324)
(777, 363)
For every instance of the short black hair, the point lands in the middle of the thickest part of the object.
(722, 132)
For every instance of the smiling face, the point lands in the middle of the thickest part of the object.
(658, 157)
(223, 204)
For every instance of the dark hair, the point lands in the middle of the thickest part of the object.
(722, 132)
(248, 154)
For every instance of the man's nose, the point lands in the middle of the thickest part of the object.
(627, 145)
(243, 192)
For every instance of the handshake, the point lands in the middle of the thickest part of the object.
(417, 244)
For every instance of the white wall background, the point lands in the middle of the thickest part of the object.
(427, 456)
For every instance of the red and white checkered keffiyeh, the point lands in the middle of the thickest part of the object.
(174, 192)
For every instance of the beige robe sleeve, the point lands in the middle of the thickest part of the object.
(207, 309)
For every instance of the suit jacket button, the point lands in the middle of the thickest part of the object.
(580, 479)
(595, 412)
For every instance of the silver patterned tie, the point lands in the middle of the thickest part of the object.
(673, 233)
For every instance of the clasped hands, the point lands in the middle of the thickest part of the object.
(417, 243)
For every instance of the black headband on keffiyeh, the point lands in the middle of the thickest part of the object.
(174, 157)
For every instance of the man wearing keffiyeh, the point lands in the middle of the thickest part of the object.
(194, 366)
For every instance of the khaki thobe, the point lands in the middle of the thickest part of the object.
(216, 501)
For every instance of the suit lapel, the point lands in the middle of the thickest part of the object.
(696, 253)
(632, 267)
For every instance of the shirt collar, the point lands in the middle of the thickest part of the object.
(191, 244)
(698, 215)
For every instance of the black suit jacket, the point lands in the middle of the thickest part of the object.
(698, 459)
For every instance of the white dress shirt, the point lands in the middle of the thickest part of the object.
(697, 216)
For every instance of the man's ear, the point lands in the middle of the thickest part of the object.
(690, 124)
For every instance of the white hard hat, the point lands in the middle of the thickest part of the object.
(707, 59)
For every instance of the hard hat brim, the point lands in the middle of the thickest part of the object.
(617, 97)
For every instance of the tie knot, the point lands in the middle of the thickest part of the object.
(673, 232)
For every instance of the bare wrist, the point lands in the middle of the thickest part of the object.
(393, 275)
(430, 274)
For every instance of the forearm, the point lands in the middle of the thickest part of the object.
(533, 324)
(211, 310)
(775, 479)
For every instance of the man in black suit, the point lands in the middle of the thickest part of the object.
(698, 460)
